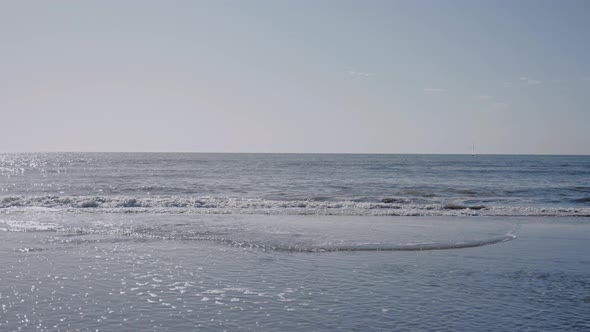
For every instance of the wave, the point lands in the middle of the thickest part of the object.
(254, 237)
(234, 205)
(313, 248)
(463, 207)
(582, 200)
(402, 247)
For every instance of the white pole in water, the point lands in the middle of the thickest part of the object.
(473, 150)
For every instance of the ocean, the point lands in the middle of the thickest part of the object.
(294, 242)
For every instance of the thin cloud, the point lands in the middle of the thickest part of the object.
(359, 73)
(434, 90)
(483, 97)
(530, 81)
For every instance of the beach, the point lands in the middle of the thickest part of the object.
(236, 276)
(295, 166)
(287, 242)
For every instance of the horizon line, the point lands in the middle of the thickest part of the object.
(302, 153)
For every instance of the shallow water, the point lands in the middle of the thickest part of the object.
(158, 279)
(278, 233)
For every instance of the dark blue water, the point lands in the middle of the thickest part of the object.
(299, 183)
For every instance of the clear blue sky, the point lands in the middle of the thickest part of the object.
(295, 76)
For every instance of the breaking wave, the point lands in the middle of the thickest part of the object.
(233, 205)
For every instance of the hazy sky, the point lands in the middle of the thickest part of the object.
(295, 76)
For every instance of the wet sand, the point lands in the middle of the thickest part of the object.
(58, 281)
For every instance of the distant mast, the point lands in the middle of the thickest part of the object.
(473, 150)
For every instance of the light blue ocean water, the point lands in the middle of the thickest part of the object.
(298, 183)
(263, 242)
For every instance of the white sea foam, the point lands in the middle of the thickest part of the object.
(27, 226)
(233, 205)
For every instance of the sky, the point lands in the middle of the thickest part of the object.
(301, 76)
